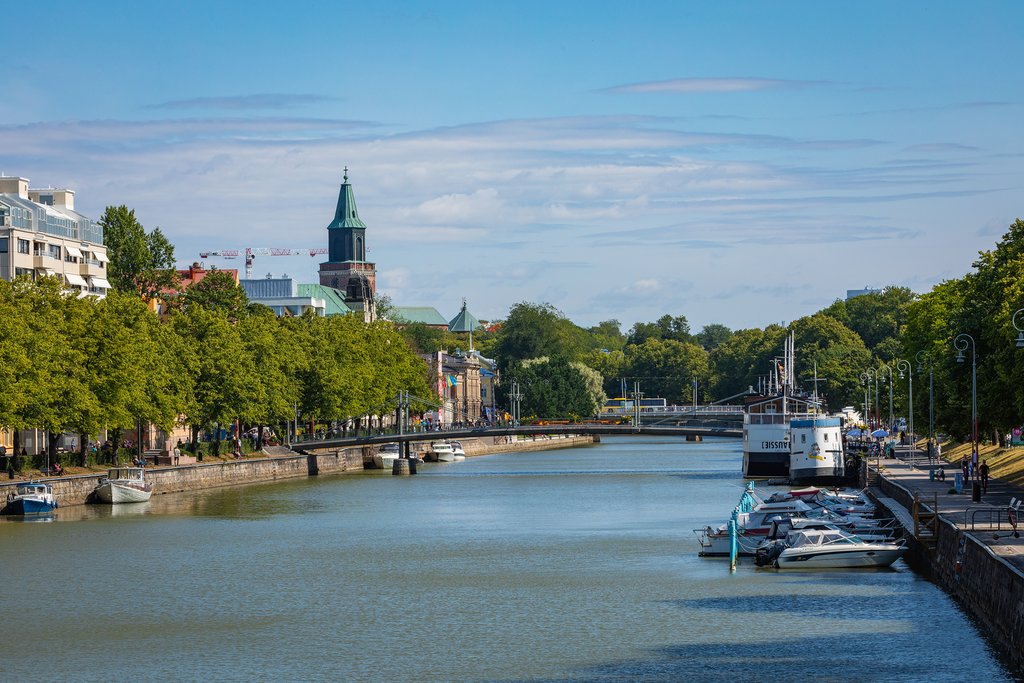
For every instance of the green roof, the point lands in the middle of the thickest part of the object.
(464, 321)
(346, 215)
(335, 298)
(427, 315)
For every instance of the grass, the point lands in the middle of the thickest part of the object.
(1006, 464)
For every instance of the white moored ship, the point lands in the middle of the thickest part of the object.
(124, 485)
(816, 450)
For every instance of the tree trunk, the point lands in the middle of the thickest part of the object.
(83, 450)
(194, 430)
(16, 444)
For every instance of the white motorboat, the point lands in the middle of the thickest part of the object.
(124, 485)
(385, 458)
(442, 451)
(752, 527)
(834, 548)
(460, 454)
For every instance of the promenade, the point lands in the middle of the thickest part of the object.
(910, 469)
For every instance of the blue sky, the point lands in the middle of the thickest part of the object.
(741, 163)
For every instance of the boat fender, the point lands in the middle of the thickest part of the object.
(10, 497)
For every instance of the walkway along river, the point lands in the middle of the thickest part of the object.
(574, 564)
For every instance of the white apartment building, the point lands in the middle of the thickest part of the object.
(41, 234)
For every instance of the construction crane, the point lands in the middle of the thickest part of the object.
(251, 253)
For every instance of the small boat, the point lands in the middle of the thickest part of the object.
(387, 455)
(30, 499)
(124, 485)
(460, 454)
(442, 452)
(835, 549)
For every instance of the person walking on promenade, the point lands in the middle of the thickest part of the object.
(983, 470)
(965, 467)
(177, 452)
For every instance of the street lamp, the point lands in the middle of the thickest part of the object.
(872, 375)
(1020, 330)
(888, 369)
(904, 366)
(921, 356)
(865, 379)
(960, 343)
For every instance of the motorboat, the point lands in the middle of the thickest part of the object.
(385, 458)
(442, 451)
(460, 454)
(835, 548)
(777, 539)
(124, 485)
(752, 527)
(32, 498)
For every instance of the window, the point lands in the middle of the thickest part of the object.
(826, 436)
(4, 244)
(55, 251)
(23, 246)
(803, 438)
(25, 271)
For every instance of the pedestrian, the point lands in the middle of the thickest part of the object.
(177, 452)
(965, 466)
(983, 470)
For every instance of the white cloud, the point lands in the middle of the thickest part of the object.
(711, 85)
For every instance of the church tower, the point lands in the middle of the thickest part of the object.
(347, 268)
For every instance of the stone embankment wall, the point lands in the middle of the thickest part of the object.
(75, 490)
(987, 587)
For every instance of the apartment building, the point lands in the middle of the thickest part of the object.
(41, 234)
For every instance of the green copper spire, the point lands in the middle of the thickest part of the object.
(346, 215)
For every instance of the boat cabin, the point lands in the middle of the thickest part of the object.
(136, 474)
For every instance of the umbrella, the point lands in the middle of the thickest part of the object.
(854, 432)
(879, 433)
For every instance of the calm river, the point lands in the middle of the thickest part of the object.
(561, 565)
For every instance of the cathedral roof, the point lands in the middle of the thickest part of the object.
(346, 215)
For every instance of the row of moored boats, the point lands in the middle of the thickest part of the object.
(121, 485)
(810, 527)
(439, 451)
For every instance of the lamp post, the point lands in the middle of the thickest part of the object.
(960, 343)
(921, 356)
(865, 379)
(872, 374)
(886, 368)
(904, 366)
(1020, 330)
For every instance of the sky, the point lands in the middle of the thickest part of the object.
(738, 163)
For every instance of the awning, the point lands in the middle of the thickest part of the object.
(45, 271)
(100, 256)
(100, 282)
(76, 280)
(73, 251)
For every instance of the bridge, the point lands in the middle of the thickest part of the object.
(523, 430)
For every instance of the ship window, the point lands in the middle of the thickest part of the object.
(803, 438)
(826, 436)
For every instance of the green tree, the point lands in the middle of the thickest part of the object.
(554, 388)
(713, 335)
(667, 367)
(139, 262)
(217, 291)
(676, 328)
(535, 330)
(876, 316)
(836, 351)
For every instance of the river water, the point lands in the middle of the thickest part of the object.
(575, 564)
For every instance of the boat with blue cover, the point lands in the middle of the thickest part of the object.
(32, 498)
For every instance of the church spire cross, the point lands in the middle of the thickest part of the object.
(346, 174)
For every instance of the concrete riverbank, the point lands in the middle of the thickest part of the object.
(965, 547)
(75, 489)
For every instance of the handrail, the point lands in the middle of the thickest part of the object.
(1000, 512)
